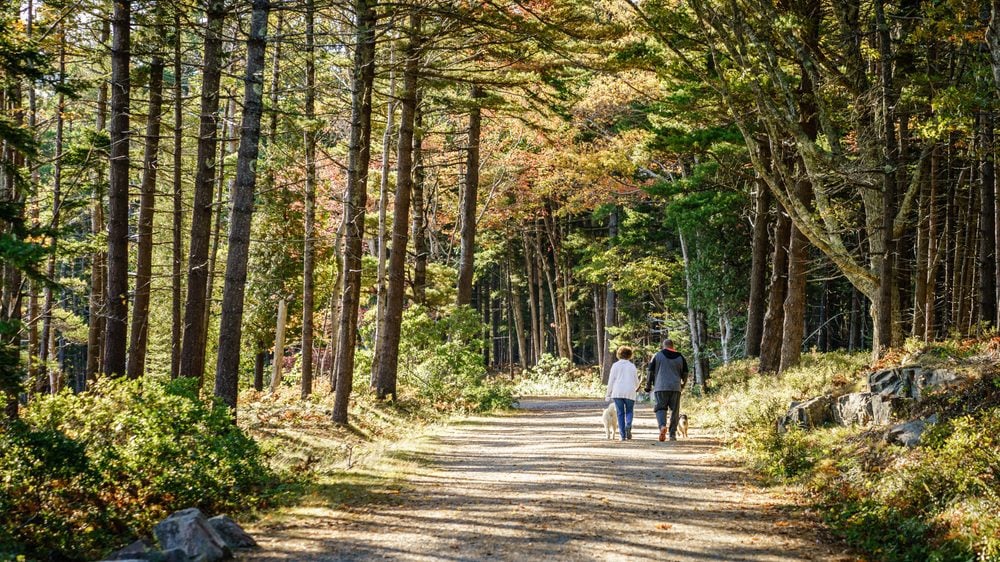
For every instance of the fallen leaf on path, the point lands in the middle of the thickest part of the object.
(664, 526)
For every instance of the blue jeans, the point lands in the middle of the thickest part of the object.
(625, 408)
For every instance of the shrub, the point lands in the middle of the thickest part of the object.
(84, 470)
(556, 376)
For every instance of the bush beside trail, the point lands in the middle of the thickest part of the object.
(937, 501)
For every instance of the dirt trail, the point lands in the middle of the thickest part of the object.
(545, 485)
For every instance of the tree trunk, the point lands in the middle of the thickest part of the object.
(228, 140)
(359, 154)
(258, 368)
(517, 312)
(610, 306)
(933, 253)
(695, 323)
(147, 201)
(918, 327)
(383, 206)
(176, 326)
(195, 307)
(49, 379)
(758, 270)
(308, 245)
(887, 272)
(279, 346)
(387, 347)
(419, 234)
(117, 293)
(98, 260)
(470, 193)
(771, 337)
(231, 322)
(529, 267)
(987, 223)
(599, 346)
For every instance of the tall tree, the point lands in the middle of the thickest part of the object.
(98, 258)
(177, 227)
(387, 346)
(147, 202)
(758, 275)
(469, 197)
(308, 244)
(194, 344)
(118, 193)
(355, 199)
(231, 323)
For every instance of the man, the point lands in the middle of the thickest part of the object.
(668, 373)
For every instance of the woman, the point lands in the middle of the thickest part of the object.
(623, 381)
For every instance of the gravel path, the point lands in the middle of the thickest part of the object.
(544, 484)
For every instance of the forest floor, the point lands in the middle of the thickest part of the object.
(544, 484)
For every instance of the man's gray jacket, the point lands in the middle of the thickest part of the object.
(668, 371)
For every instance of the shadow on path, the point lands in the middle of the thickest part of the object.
(546, 485)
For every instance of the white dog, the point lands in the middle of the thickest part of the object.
(610, 420)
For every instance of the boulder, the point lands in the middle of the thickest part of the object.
(134, 551)
(189, 531)
(908, 434)
(809, 413)
(927, 379)
(853, 409)
(231, 532)
(890, 382)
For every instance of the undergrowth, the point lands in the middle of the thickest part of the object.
(939, 501)
(556, 376)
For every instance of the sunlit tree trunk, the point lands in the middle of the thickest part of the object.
(419, 233)
(770, 345)
(194, 343)
(383, 205)
(387, 346)
(308, 245)
(147, 201)
(98, 259)
(758, 270)
(50, 378)
(176, 326)
(356, 197)
(231, 321)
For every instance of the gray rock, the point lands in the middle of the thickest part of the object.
(908, 434)
(808, 414)
(134, 551)
(172, 555)
(890, 382)
(927, 379)
(190, 532)
(231, 532)
(854, 409)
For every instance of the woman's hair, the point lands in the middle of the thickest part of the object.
(624, 352)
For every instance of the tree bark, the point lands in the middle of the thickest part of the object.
(887, 272)
(529, 267)
(770, 346)
(758, 270)
(231, 322)
(176, 326)
(308, 245)
(419, 234)
(695, 321)
(194, 343)
(228, 140)
(356, 197)
(136, 365)
(987, 223)
(279, 345)
(383, 206)
(49, 377)
(98, 259)
(117, 292)
(387, 347)
(469, 195)
(610, 306)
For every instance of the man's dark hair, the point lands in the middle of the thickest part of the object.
(668, 342)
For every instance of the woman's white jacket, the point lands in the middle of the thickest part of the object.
(623, 380)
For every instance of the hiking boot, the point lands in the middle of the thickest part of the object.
(663, 433)
(673, 438)
(628, 432)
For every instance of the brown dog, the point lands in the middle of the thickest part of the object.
(682, 426)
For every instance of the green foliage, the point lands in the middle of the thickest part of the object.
(556, 376)
(85, 472)
(939, 501)
(441, 360)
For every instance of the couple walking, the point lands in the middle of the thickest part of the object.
(667, 376)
